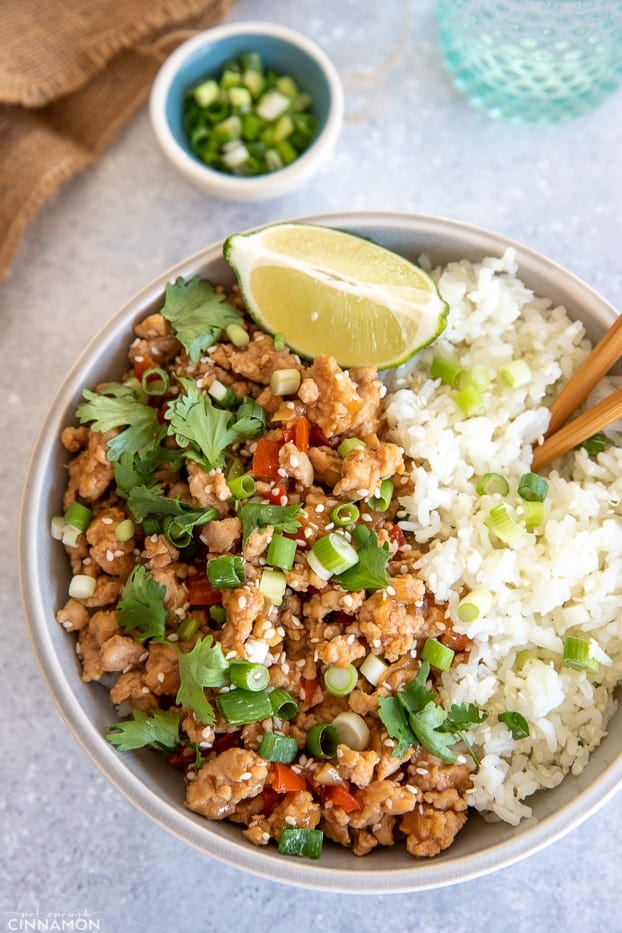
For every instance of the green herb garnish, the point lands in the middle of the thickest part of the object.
(255, 515)
(204, 666)
(159, 728)
(197, 313)
(117, 406)
(370, 573)
(141, 608)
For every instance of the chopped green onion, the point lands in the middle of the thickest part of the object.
(218, 614)
(283, 705)
(178, 534)
(469, 400)
(240, 706)
(322, 740)
(577, 655)
(502, 520)
(373, 669)
(57, 527)
(284, 381)
(360, 534)
(533, 514)
(71, 535)
(516, 373)
(331, 554)
(238, 335)
(304, 842)
(273, 584)
(349, 444)
(277, 747)
(477, 376)
(242, 487)
(340, 681)
(532, 488)
(78, 516)
(344, 514)
(353, 730)
(437, 655)
(249, 675)
(226, 572)
(206, 93)
(595, 444)
(492, 484)
(281, 552)
(382, 501)
(272, 104)
(445, 370)
(155, 381)
(523, 657)
(81, 586)
(225, 396)
(188, 628)
(125, 530)
(279, 342)
(475, 605)
(516, 723)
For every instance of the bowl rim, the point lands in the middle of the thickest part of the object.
(247, 186)
(239, 854)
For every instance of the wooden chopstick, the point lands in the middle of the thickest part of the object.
(578, 430)
(606, 352)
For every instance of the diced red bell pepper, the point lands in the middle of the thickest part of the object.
(302, 433)
(340, 797)
(277, 492)
(284, 780)
(265, 464)
(270, 799)
(202, 593)
(145, 362)
(396, 535)
(309, 687)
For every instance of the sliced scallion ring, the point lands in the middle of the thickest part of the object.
(222, 394)
(476, 604)
(353, 730)
(276, 747)
(78, 516)
(322, 740)
(344, 514)
(240, 706)
(281, 552)
(332, 554)
(373, 669)
(533, 514)
(284, 381)
(340, 681)
(188, 628)
(516, 373)
(125, 530)
(469, 400)
(81, 586)
(249, 675)
(284, 706)
(226, 572)
(238, 335)
(446, 370)
(437, 655)
(492, 484)
(348, 445)
(577, 655)
(155, 381)
(502, 521)
(382, 501)
(304, 842)
(273, 584)
(242, 487)
(532, 488)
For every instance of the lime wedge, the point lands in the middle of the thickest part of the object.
(330, 292)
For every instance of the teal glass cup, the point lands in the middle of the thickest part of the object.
(532, 61)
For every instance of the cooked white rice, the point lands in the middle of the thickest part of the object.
(565, 578)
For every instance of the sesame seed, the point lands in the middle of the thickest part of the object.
(173, 636)
(144, 656)
(347, 600)
(350, 639)
(314, 315)
(388, 804)
(241, 602)
(246, 776)
(366, 517)
(329, 527)
(230, 654)
(265, 837)
(391, 590)
(290, 820)
(362, 492)
(160, 677)
(207, 732)
(411, 789)
(109, 554)
(383, 392)
(294, 461)
(154, 539)
(283, 500)
(145, 690)
(308, 532)
(422, 771)
(281, 472)
(106, 520)
(388, 743)
(290, 405)
(119, 553)
(376, 643)
(127, 669)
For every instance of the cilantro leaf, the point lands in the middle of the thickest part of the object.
(159, 728)
(197, 313)
(141, 607)
(200, 426)
(250, 419)
(175, 518)
(131, 470)
(516, 723)
(415, 695)
(255, 515)
(427, 726)
(117, 405)
(394, 717)
(462, 717)
(370, 573)
(204, 666)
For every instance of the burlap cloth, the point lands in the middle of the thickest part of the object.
(72, 73)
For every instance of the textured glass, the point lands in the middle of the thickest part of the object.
(532, 62)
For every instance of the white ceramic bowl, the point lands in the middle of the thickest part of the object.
(281, 48)
(145, 779)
